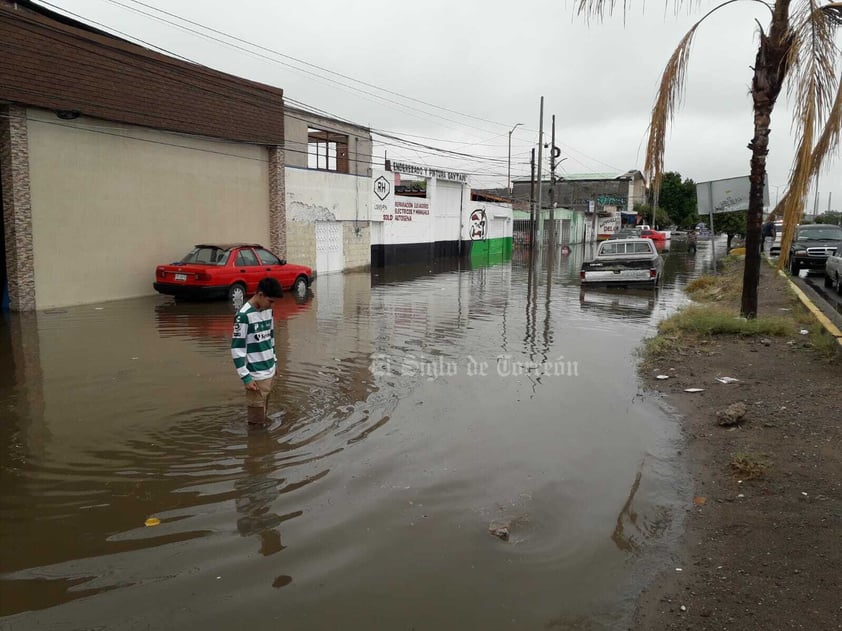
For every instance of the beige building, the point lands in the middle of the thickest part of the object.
(114, 159)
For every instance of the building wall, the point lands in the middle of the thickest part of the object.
(112, 201)
(296, 125)
(60, 65)
(577, 221)
(313, 195)
(326, 196)
(438, 217)
(301, 243)
(609, 194)
(356, 246)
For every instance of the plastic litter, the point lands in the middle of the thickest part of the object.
(727, 379)
(152, 521)
(694, 389)
(804, 331)
(662, 377)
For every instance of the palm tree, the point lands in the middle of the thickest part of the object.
(797, 48)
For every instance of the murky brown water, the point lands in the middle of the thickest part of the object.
(416, 408)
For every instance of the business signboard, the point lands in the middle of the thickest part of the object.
(725, 196)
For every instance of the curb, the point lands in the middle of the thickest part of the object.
(811, 307)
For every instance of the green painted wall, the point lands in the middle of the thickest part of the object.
(491, 251)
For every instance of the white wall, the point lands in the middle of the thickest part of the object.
(420, 220)
(498, 217)
(324, 196)
(112, 201)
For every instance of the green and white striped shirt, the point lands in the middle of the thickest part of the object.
(253, 344)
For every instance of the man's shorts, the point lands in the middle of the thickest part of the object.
(258, 398)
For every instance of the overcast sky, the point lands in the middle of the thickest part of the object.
(460, 75)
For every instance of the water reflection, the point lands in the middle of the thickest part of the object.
(625, 303)
(372, 490)
(257, 491)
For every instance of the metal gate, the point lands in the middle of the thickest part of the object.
(329, 254)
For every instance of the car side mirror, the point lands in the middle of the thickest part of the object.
(283, 262)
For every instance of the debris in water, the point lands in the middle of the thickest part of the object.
(501, 532)
(727, 379)
(662, 377)
(152, 521)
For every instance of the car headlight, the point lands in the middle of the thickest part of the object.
(801, 253)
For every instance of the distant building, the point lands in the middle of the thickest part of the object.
(608, 195)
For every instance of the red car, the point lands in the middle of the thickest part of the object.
(653, 234)
(228, 270)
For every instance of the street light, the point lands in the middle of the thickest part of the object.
(509, 172)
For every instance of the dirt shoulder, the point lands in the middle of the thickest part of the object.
(762, 547)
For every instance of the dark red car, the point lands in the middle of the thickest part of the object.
(228, 271)
(653, 234)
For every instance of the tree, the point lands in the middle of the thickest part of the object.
(731, 224)
(832, 217)
(678, 198)
(644, 211)
(798, 47)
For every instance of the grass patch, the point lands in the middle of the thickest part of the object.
(719, 288)
(726, 286)
(696, 323)
(717, 320)
(748, 465)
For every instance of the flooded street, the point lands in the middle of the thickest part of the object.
(414, 410)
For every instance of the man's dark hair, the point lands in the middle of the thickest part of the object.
(270, 288)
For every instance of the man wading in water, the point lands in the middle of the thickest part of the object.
(253, 349)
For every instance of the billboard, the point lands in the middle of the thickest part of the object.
(725, 196)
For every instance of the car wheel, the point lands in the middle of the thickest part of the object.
(237, 295)
(300, 286)
(794, 268)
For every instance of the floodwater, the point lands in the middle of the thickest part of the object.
(416, 409)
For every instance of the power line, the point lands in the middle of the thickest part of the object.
(292, 67)
(300, 61)
(311, 65)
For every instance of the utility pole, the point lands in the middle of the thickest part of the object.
(540, 158)
(509, 170)
(552, 186)
(532, 199)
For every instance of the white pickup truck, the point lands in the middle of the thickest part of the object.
(623, 262)
(833, 271)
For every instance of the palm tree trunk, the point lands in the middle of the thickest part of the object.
(769, 72)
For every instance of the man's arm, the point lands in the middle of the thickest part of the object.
(238, 347)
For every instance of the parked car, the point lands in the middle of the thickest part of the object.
(624, 262)
(812, 244)
(653, 234)
(230, 271)
(626, 233)
(833, 271)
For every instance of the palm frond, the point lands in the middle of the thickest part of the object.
(813, 59)
(670, 94)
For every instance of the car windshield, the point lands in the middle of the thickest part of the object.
(206, 256)
(821, 234)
